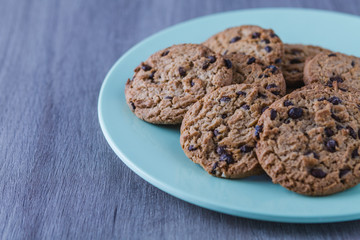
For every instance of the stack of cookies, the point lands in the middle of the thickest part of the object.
(229, 94)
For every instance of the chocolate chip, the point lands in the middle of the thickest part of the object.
(273, 68)
(277, 93)
(261, 75)
(288, 103)
(235, 39)
(246, 107)
(321, 99)
(246, 149)
(332, 55)
(352, 133)
(205, 65)
(165, 53)
(266, 76)
(133, 105)
(355, 153)
(264, 109)
(226, 157)
(241, 93)
(268, 49)
(260, 95)
(273, 114)
(223, 116)
(343, 89)
(255, 35)
(339, 127)
(334, 100)
(258, 130)
(295, 61)
(267, 41)
(278, 60)
(225, 99)
(359, 133)
(336, 118)
(182, 72)
(329, 84)
(212, 59)
(251, 60)
(318, 173)
(152, 74)
(220, 150)
(271, 85)
(287, 121)
(216, 133)
(214, 167)
(336, 79)
(228, 63)
(146, 67)
(192, 148)
(331, 145)
(353, 63)
(192, 83)
(295, 113)
(168, 97)
(343, 172)
(273, 35)
(329, 132)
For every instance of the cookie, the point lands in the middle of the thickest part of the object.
(171, 80)
(217, 130)
(247, 70)
(293, 61)
(309, 142)
(333, 68)
(347, 92)
(263, 44)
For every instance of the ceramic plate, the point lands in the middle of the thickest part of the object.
(154, 152)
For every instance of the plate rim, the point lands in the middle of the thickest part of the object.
(183, 195)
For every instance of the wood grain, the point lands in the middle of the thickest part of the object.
(59, 178)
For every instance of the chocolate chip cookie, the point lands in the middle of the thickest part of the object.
(217, 130)
(246, 69)
(263, 44)
(309, 142)
(333, 68)
(293, 61)
(171, 80)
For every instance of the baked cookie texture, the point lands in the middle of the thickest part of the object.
(247, 70)
(217, 131)
(171, 80)
(309, 141)
(293, 61)
(263, 44)
(333, 68)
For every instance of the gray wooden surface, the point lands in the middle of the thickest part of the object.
(59, 177)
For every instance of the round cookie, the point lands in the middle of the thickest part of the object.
(263, 44)
(293, 61)
(247, 70)
(333, 68)
(309, 142)
(171, 80)
(217, 130)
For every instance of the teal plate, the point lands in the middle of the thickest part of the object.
(154, 152)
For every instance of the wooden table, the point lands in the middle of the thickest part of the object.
(59, 177)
